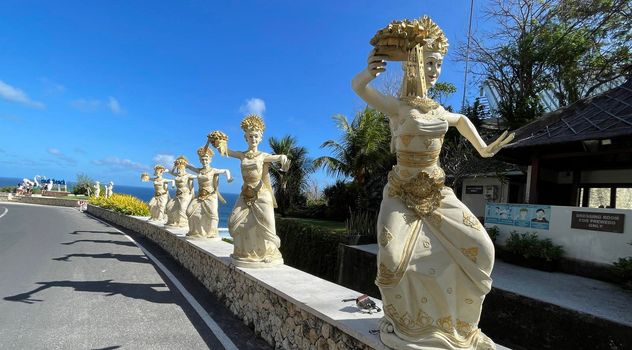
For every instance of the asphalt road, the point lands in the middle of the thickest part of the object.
(68, 281)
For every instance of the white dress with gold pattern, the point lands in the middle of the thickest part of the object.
(435, 258)
(158, 203)
(177, 206)
(202, 212)
(251, 223)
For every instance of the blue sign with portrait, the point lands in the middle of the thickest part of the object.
(521, 215)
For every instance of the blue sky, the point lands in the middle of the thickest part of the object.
(109, 88)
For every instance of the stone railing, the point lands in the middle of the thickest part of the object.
(288, 308)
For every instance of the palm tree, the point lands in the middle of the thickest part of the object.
(290, 186)
(363, 149)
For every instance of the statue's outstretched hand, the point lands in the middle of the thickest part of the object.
(376, 63)
(285, 163)
(497, 145)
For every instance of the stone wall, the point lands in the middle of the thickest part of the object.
(46, 201)
(287, 307)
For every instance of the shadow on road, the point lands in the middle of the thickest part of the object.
(120, 257)
(107, 287)
(87, 231)
(125, 243)
(109, 348)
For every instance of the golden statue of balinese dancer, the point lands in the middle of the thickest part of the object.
(202, 212)
(435, 258)
(251, 223)
(177, 206)
(158, 203)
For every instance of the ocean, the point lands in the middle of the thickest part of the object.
(145, 194)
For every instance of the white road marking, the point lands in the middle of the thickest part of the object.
(210, 323)
(6, 210)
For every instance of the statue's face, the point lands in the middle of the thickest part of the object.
(253, 138)
(432, 67)
(205, 160)
(158, 172)
(180, 169)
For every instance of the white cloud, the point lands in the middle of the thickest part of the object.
(114, 105)
(65, 160)
(13, 94)
(86, 105)
(116, 163)
(253, 106)
(165, 159)
(51, 87)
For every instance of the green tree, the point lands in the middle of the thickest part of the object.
(290, 186)
(363, 148)
(361, 154)
(571, 48)
(84, 185)
(440, 92)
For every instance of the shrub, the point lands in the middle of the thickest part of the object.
(309, 248)
(84, 185)
(341, 197)
(310, 211)
(122, 203)
(362, 224)
(493, 232)
(528, 245)
(623, 269)
(10, 189)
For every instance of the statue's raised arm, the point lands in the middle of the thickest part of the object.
(360, 83)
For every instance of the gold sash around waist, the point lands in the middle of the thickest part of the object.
(181, 192)
(204, 194)
(421, 193)
(159, 193)
(418, 159)
(251, 193)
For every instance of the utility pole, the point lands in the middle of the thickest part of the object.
(467, 54)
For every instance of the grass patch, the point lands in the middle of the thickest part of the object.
(334, 226)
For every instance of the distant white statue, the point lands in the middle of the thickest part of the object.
(158, 203)
(202, 212)
(97, 188)
(251, 224)
(109, 189)
(177, 206)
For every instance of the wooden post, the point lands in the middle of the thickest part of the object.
(575, 200)
(534, 175)
(613, 197)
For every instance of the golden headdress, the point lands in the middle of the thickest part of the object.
(205, 151)
(159, 167)
(253, 122)
(181, 161)
(407, 41)
(399, 37)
